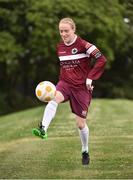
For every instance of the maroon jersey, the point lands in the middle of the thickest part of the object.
(75, 61)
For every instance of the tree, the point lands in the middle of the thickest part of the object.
(123, 65)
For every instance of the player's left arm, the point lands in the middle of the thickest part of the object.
(99, 66)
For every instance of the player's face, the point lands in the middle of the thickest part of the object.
(66, 32)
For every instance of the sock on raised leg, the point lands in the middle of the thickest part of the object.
(49, 114)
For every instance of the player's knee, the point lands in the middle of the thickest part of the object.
(80, 122)
(59, 97)
(80, 126)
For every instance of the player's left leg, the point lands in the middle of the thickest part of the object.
(84, 137)
(80, 101)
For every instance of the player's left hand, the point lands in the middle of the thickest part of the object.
(89, 84)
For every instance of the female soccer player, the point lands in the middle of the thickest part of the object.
(75, 81)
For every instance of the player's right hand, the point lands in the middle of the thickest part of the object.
(89, 84)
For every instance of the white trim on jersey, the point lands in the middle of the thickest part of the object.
(91, 49)
(72, 41)
(72, 57)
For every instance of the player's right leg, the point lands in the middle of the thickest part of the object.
(39, 132)
(49, 114)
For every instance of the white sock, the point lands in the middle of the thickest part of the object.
(49, 114)
(84, 136)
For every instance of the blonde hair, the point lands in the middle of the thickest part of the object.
(69, 21)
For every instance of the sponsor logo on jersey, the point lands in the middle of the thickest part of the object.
(74, 50)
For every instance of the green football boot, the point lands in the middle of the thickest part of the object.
(40, 132)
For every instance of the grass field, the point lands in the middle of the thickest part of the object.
(23, 156)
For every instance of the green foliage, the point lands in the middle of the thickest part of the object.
(9, 49)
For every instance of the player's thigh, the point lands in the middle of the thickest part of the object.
(79, 102)
(63, 91)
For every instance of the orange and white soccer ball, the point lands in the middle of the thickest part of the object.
(45, 91)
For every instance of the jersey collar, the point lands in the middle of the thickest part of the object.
(72, 41)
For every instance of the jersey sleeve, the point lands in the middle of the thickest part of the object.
(99, 66)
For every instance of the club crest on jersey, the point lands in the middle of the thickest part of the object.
(74, 51)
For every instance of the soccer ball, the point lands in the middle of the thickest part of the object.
(45, 91)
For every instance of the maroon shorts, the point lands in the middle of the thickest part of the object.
(79, 97)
